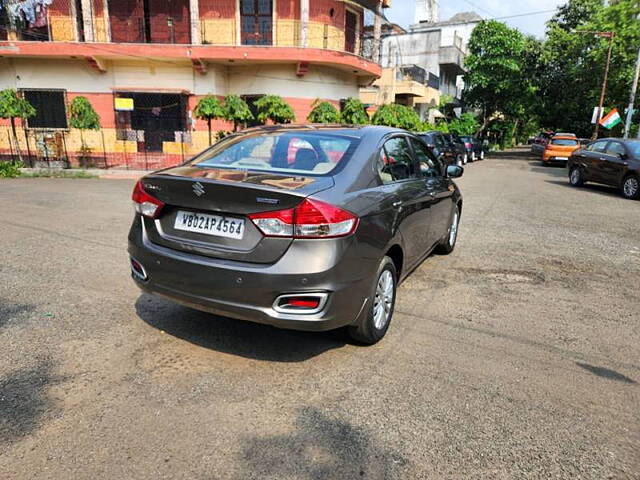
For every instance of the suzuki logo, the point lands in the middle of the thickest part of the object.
(198, 189)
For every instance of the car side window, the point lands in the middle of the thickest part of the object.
(615, 148)
(395, 161)
(429, 167)
(439, 140)
(597, 146)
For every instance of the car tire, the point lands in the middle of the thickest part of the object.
(630, 188)
(576, 177)
(449, 242)
(379, 311)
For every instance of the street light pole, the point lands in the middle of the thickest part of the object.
(632, 98)
(609, 35)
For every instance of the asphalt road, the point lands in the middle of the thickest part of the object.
(515, 357)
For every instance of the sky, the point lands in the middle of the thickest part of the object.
(401, 12)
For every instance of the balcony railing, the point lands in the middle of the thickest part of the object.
(153, 21)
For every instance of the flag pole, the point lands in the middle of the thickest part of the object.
(610, 35)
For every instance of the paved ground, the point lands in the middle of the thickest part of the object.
(515, 357)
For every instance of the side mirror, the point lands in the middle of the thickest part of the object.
(623, 156)
(454, 171)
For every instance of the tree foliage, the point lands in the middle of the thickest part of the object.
(12, 107)
(236, 111)
(274, 108)
(398, 116)
(467, 124)
(208, 108)
(354, 113)
(521, 83)
(82, 115)
(323, 112)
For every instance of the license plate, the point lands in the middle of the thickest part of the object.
(562, 158)
(209, 224)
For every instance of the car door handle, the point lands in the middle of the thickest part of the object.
(397, 204)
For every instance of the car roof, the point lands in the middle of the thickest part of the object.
(563, 137)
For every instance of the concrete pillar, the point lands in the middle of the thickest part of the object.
(377, 30)
(304, 23)
(194, 12)
(107, 20)
(87, 20)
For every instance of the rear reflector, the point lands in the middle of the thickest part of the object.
(310, 219)
(300, 303)
(144, 203)
(138, 270)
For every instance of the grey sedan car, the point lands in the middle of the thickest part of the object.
(300, 227)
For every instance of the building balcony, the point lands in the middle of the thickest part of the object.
(289, 31)
(451, 57)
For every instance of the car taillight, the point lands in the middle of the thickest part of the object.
(310, 219)
(144, 203)
(467, 144)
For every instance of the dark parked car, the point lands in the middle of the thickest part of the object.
(313, 241)
(475, 147)
(610, 161)
(540, 142)
(458, 144)
(440, 147)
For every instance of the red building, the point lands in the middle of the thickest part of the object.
(161, 56)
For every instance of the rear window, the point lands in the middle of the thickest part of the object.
(566, 142)
(290, 152)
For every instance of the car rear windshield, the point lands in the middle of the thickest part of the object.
(289, 152)
(564, 142)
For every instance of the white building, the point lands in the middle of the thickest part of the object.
(438, 47)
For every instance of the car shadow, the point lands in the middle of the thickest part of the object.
(513, 154)
(235, 337)
(589, 187)
(556, 170)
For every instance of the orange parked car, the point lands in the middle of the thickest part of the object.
(559, 148)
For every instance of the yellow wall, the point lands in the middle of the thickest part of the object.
(62, 28)
(218, 31)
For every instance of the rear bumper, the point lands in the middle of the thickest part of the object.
(555, 159)
(247, 291)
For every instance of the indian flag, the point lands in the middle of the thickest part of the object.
(611, 119)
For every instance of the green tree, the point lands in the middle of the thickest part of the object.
(323, 112)
(354, 113)
(83, 117)
(398, 116)
(12, 107)
(208, 108)
(494, 80)
(274, 108)
(236, 111)
(466, 124)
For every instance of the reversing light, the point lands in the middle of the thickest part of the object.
(145, 204)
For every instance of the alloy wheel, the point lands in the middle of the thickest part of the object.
(453, 229)
(630, 187)
(575, 176)
(383, 300)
